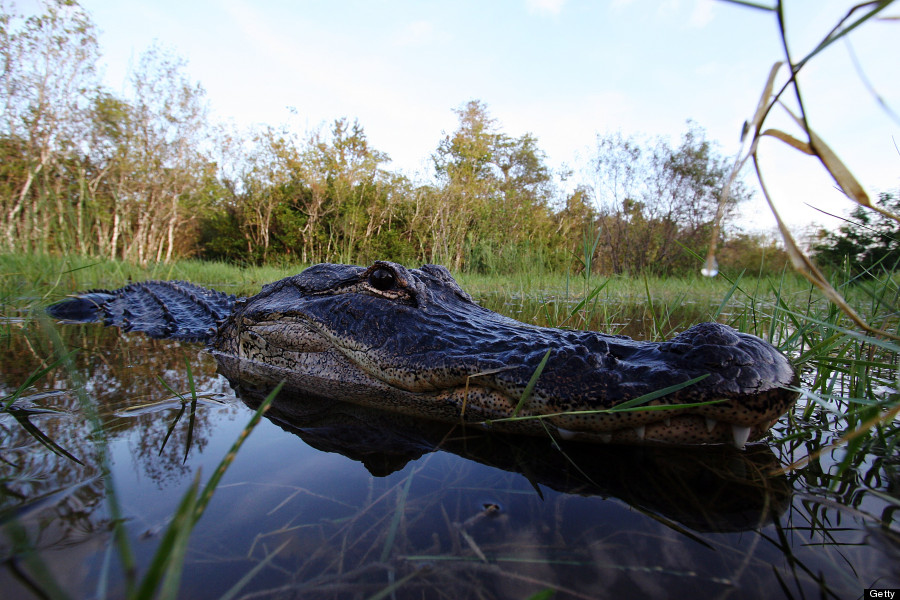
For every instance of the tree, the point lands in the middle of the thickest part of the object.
(652, 198)
(320, 198)
(352, 169)
(493, 190)
(47, 79)
(151, 172)
(866, 241)
(88, 171)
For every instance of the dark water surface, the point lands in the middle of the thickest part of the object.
(331, 501)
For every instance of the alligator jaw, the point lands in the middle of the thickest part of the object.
(329, 374)
(294, 344)
(671, 426)
(686, 429)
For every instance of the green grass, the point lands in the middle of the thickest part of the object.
(542, 297)
(42, 277)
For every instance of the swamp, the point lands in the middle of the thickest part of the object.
(111, 442)
(133, 468)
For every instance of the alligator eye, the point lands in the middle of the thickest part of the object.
(381, 279)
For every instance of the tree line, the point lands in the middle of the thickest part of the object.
(146, 175)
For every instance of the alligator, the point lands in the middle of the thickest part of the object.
(413, 341)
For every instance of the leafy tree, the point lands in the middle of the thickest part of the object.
(47, 76)
(493, 190)
(148, 150)
(866, 241)
(753, 253)
(85, 170)
(325, 197)
(651, 198)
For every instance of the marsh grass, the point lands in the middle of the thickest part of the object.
(25, 279)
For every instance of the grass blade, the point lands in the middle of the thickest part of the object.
(636, 402)
(243, 581)
(169, 557)
(217, 475)
(31, 379)
(395, 520)
(165, 568)
(531, 383)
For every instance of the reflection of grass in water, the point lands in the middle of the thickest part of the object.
(21, 413)
(471, 553)
(162, 577)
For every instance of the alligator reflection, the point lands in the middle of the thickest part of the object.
(704, 488)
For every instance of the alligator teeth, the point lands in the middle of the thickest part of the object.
(710, 424)
(566, 434)
(639, 431)
(606, 438)
(740, 435)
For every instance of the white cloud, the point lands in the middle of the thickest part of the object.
(547, 7)
(702, 14)
(416, 34)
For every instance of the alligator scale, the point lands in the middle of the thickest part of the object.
(412, 341)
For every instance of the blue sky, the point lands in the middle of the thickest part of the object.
(563, 70)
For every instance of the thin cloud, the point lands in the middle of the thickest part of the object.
(702, 14)
(546, 7)
(417, 33)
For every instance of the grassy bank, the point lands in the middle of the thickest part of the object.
(647, 307)
(30, 278)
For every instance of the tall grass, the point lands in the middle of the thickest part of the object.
(54, 276)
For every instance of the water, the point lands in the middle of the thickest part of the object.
(327, 500)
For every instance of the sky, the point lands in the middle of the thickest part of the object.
(562, 70)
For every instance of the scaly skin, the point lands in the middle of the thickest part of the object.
(413, 341)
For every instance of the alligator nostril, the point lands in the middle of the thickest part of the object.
(712, 334)
(381, 279)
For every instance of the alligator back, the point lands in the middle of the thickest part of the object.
(160, 309)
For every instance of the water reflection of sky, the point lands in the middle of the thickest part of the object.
(447, 524)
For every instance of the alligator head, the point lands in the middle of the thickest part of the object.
(412, 341)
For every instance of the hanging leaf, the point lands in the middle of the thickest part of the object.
(763, 107)
(805, 266)
(790, 140)
(838, 170)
